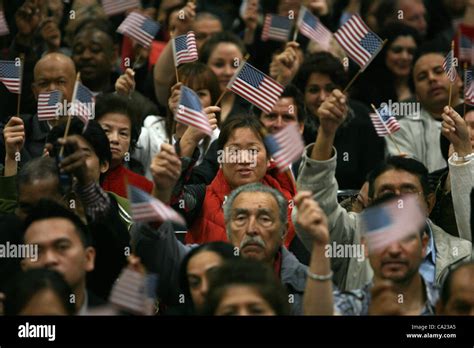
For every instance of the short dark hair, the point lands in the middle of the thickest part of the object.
(250, 273)
(291, 91)
(39, 168)
(445, 293)
(323, 63)
(223, 249)
(240, 121)
(409, 165)
(97, 24)
(48, 209)
(27, 284)
(115, 103)
(217, 38)
(94, 135)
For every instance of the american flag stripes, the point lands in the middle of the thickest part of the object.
(10, 75)
(184, 48)
(256, 87)
(3, 25)
(286, 146)
(466, 46)
(276, 28)
(113, 7)
(450, 67)
(392, 221)
(131, 292)
(82, 103)
(469, 88)
(140, 28)
(48, 105)
(384, 122)
(359, 42)
(190, 111)
(311, 27)
(146, 208)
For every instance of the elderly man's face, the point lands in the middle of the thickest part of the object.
(93, 53)
(255, 225)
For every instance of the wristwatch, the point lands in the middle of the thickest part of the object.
(466, 158)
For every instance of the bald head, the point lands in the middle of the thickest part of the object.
(55, 71)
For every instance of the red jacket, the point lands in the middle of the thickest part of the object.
(115, 181)
(210, 226)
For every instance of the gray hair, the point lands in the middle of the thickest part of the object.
(37, 169)
(256, 187)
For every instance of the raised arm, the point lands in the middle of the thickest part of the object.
(461, 169)
(318, 292)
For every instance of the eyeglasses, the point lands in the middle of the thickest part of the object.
(400, 49)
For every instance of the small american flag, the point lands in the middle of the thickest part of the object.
(311, 27)
(82, 103)
(190, 111)
(10, 75)
(359, 42)
(133, 292)
(384, 122)
(286, 146)
(256, 87)
(276, 28)
(185, 49)
(449, 66)
(140, 28)
(146, 208)
(113, 7)
(469, 88)
(3, 25)
(392, 221)
(48, 105)
(465, 48)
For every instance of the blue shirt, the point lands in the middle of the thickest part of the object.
(428, 266)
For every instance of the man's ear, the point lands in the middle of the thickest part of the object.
(90, 259)
(104, 167)
(283, 236)
(430, 202)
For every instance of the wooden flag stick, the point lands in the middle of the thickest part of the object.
(465, 80)
(450, 82)
(174, 58)
(69, 116)
(389, 135)
(22, 59)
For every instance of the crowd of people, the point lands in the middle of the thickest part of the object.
(256, 238)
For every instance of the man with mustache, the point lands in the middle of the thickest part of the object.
(420, 133)
(256, 223)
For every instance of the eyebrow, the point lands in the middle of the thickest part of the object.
(246, 211)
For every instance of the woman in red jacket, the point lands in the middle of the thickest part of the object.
(243, 159)
(118, 117)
